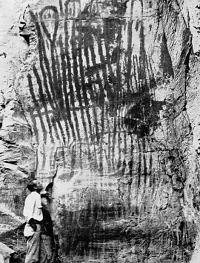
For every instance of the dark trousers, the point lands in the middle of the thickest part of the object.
(46, 252)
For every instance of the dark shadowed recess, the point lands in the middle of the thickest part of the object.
(100, 230)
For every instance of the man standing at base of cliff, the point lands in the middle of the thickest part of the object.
(33, 214)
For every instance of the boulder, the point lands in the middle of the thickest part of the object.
(5, 253)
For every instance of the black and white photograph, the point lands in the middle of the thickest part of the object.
(99, 131)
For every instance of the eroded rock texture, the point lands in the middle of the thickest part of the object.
(101, 98)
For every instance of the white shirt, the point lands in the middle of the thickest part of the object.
(33, 207)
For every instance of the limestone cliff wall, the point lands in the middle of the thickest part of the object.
(101, 100)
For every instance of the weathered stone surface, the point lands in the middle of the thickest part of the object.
(101, 98)
(5, 251)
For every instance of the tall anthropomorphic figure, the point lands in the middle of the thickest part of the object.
(33, 214)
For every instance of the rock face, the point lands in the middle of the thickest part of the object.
(100, 99)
